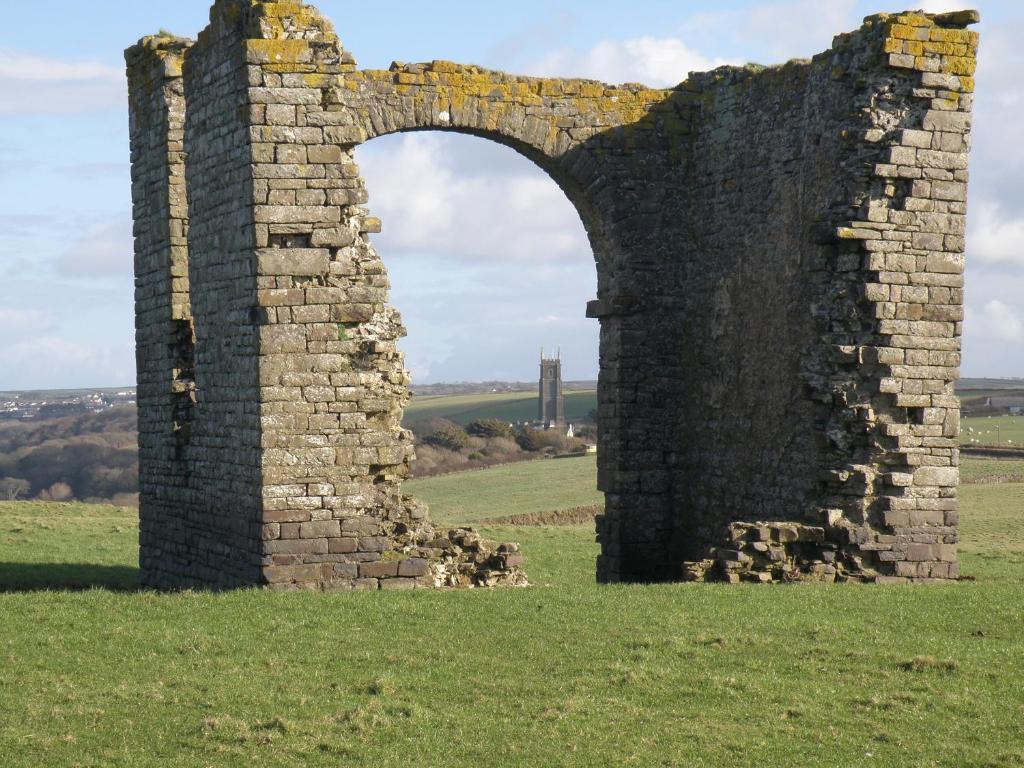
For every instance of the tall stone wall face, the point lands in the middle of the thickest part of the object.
(748, 422)
(834, 291)
(163, 311)
(224, 454)
(765, 166)
(893, 480)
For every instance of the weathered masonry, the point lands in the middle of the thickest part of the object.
(780, 281)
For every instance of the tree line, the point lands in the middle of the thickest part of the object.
(89, 457)
(94, 456)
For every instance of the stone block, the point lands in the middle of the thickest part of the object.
(333, 237)
(936, 476)
(381, 569)
(325, 154)
(320, 529)
(413, 567)
(292, 261)
(296, 547)
(297, 214)
(292, 573)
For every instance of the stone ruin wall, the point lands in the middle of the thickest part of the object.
(828, 220)
(164, 343)
(779, 258)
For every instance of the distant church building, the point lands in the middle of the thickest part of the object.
(551, 411)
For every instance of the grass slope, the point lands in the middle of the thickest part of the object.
(991, 470)
(507, 406)
(566, 673)
(533, 486)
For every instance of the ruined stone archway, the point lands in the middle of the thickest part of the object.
(779, 259)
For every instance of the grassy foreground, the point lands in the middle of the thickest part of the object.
(566, 673)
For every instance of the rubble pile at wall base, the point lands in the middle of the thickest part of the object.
(773, 552)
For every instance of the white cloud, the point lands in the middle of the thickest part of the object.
(519, 215)
(487, 257)
(490, 321)
(48, 361)
(996, 321)
(12, 320)
(655, 61)
(782, 30)
(995, 238)
(27, 66)
(33, 84)
(104, 249)
(942, 6)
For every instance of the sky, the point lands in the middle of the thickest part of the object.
(488, 259)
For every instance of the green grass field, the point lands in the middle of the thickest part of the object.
(536, 486)
(996, 430)
(565, 673)
(507, 406)
(991, 471)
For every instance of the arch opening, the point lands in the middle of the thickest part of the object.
(488, 262)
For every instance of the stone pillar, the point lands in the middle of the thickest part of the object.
(290, 474)
(163, 316)
(836, 454)
(225, 451)
(895, 373)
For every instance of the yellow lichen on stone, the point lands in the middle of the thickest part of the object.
(440, 65)
(914, 47)
(903, 32)
(914, 20)
(959, 65)
(285, 9)
(966, 83)
(316, 80)
(893, 45)
(946, 49)
(940, 35)
(279, 51)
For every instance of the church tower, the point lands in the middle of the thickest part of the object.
(551, 411)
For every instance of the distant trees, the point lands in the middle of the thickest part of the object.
(490, 428)
(13, 488)
(444, 446)
(94, 456)
(547, 440)
(450, 436)
(90, 456)
(57, 492)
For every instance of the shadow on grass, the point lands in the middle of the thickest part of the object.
(37, 577)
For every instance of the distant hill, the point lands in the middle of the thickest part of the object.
(507, 406)
(492, 387)
(995, 385)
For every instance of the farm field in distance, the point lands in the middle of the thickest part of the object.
(993, 430)
(522, 406)
(506, 406)
(565, 673)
